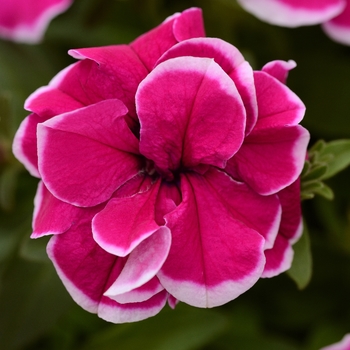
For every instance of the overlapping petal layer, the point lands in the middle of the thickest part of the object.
(190, 113)
(27, 20)
(85, 155)
(217, 251)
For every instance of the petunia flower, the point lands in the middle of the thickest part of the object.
(334, 15)
(169, 171)
(344, 344)
(26, 20)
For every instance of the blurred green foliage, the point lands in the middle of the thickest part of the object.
(35, 310)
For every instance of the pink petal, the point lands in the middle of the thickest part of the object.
(172, 302)
(87, 271)
(291, 222)
(52, 216)
(181, 26)
(344, 344)
(143, 263)
(338, 28)
(26, 20)
(270, 159)
(277, 104)
(126, 222)
(190, 114)
(48, 102)
(106, 72)
(24, 145)
(216, 252)
(85, 155)
(139, 294)
(279, 258)
(293, 13)
(279, 69)
(230, 60)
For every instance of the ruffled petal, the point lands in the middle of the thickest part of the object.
(277, 104)
(279, 258)
(24, 145)
(52, 216)
(110, 72)
(230, 60)
(338, 28)
(190, 113)
(87, 271)
(48, 102)
(26, 20)
(126, 222)
(293, 13)
(216, 252)
(143, 264)
(180, 26)
(85, 155)
(279, 69)
(142, 293)
(270, 159)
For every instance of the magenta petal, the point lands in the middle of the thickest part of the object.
(277, 104)
(126, 222)
(293, 13)
(48, 102)
(116, 72)
(24, 145)
(87, 270)
(85, 155)
(151, 45)
(52, 216)
(215, 254)
(271, 159)
(279, 69)
(27, 20)
(190, 113)
(344, 344)
(279, 258)
(143, 263)
(139, 294)
(230, 60)
(338, 28)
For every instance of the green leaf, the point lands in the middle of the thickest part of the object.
(180, 329)
(301, 269)
(339, 156)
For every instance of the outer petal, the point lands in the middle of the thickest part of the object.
(27, 20)
(216, 254)
(87, 271)
(52, 216)
(230, 60)
(181, 26)
(270, 159)
(108, 72)
(85, 155)
(279, 257)
(277, 104)
(24, 145)
(143, 264)
(293, 13)
(126, 222)
(279, 69)
(338, 28)
(344, 344)
(190, 113)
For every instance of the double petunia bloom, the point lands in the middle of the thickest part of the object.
(333, 14)
(169, 171)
